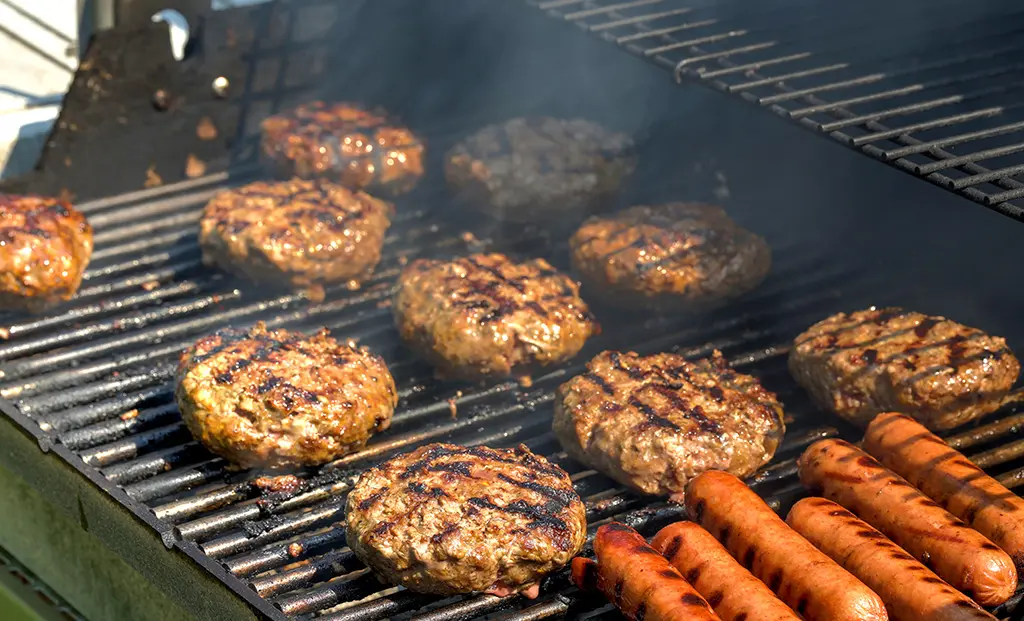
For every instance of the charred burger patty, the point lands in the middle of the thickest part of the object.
(263, 397)
(300, 233)
(449, 519)
(654, 422)
(45, 245)
(360, 148)
(670, 256)
(528, 169)
(938, 371)
(487, 316)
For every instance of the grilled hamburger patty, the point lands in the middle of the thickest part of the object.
(45, 245)
(525, 169)
(940, 372)
(672, 255)
(449, 519)
(262, 397)
(486, 316)
(301, 233)
(654, 422)
(360, 148)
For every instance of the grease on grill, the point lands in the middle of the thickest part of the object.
(152, 178)
(286, 484)
(206, 130)
(194, 167)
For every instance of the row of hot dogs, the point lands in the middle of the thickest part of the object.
(908, 528)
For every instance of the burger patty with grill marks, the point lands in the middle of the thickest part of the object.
(45, 245)
(266, 398)
(450, 519)
(487, 316)
(301, 233)
(530, 169)
(940, 372)
(358, 147)
(654, 422)
(675, 255)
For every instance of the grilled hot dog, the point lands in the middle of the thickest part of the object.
(639, 581)
(733, 592)
(905, 446)
(802, 576)
(910, 591)
(959, 555)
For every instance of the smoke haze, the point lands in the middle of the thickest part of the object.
(447, 68)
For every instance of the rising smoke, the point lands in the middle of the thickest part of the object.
(450, 67)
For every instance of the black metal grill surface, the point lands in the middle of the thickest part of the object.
(932, 88)
(93, 382)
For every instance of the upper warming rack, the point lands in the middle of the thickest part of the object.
(932, 88)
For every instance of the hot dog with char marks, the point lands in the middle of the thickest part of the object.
(959, 555)
(910, 591)
(733, 592)
(811, 583)
(641, 583)
(906, 446)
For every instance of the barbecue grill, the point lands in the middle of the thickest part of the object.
(90, 383)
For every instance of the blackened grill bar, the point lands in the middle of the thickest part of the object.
(878, 99)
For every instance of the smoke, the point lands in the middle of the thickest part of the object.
(447, 68)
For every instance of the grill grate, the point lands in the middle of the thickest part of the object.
(93, 383)
(931, 88)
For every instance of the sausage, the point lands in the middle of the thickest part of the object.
(959, 555)
(908, 588)
(811, 583)
(639, 581)
(907, 447)
(733, 592)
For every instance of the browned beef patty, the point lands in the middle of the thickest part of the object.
(45, 245)
(265, 398)
(358, 147)
(301, 233)
(654, 422)
(449, 519)
(675, 255)
(527, 170)
(487, 316)
(940, 372)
